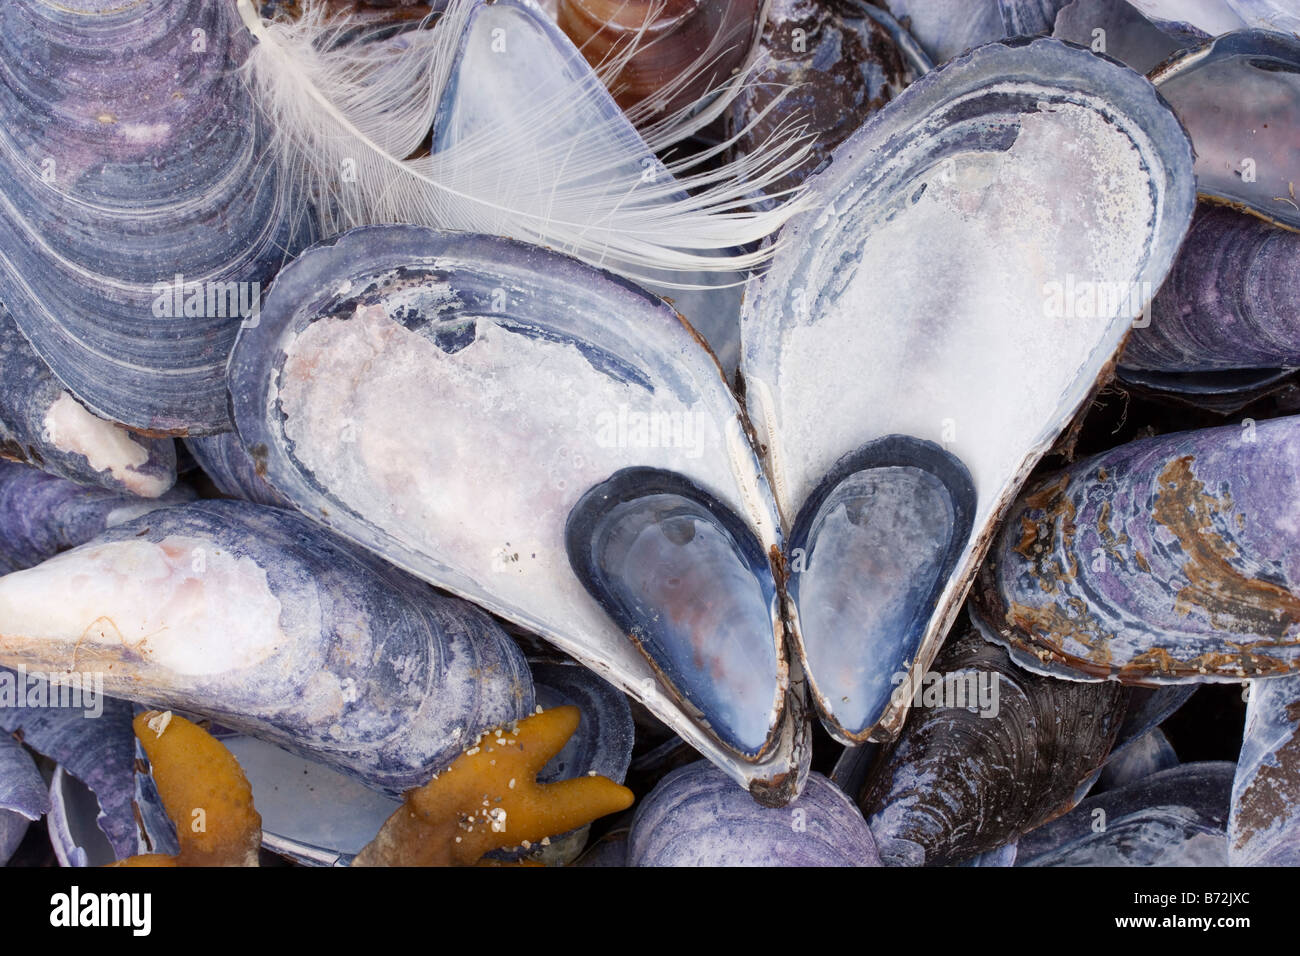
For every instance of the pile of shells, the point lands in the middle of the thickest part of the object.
(879, 419)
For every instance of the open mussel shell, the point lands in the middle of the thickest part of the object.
(1190, 20)
(1239, 97)
(546, 440)
(41, 515)
(828, 65)
(538, 72)
(1176, 817)
(1231, 301)
(1167, 559)
(1264, 828)
(990, 753)
(23, 797)
(261, 620)
(137, 230)
(912, 275)
(695, 817)
(43, 425)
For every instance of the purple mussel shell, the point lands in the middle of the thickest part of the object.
(257, 618)
(977, 767)
(40, 423)
(1147, 755)
(1176, 817)
(1231, 301)
(696, 816)
(139, 217)
(223, 458)
(93, 743)
(1264, 828)
(41, 515)
(22, 795)
(1173, 558)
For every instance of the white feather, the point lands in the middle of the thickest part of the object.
(348, 120)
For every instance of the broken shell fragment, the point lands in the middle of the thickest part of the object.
(22, 795)
(43, 425)
(1264, 828)
(911, 275)
(1167, 559)
(259, 619)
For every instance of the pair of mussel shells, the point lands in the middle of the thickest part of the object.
(554, 444)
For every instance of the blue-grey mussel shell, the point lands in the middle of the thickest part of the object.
(22, 795)
(1177, 817)
(1264, 829)
(131, 154)
(924, 268)
(946, 28)
(1167, 559)
(695, 816)
(548, 441)
(255, 617)
(990, 752)
(43, 425)
(223, 459)
(41, 515)
(1239, 97)
(1115, 28)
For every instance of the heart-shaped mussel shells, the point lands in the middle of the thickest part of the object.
(544, 439)
(139, 218)
(922, 337)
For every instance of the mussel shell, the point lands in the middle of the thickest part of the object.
(1115, 28)
(685, 49)
(43, 425)
(132, 153)
(830, 66)
(1167, 559)
(603, 741)
(909, 276)
(224, 459)
(1176, 817)
(1149, 754)
(961, 781)
(696, 817)
(98, 750)
(41, 515)
(1239, 97)
(946, 28)
(1190, 21)
(22, 795)
(1264, 828)
(1229, 303)
(259, 619)
(477, 389)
